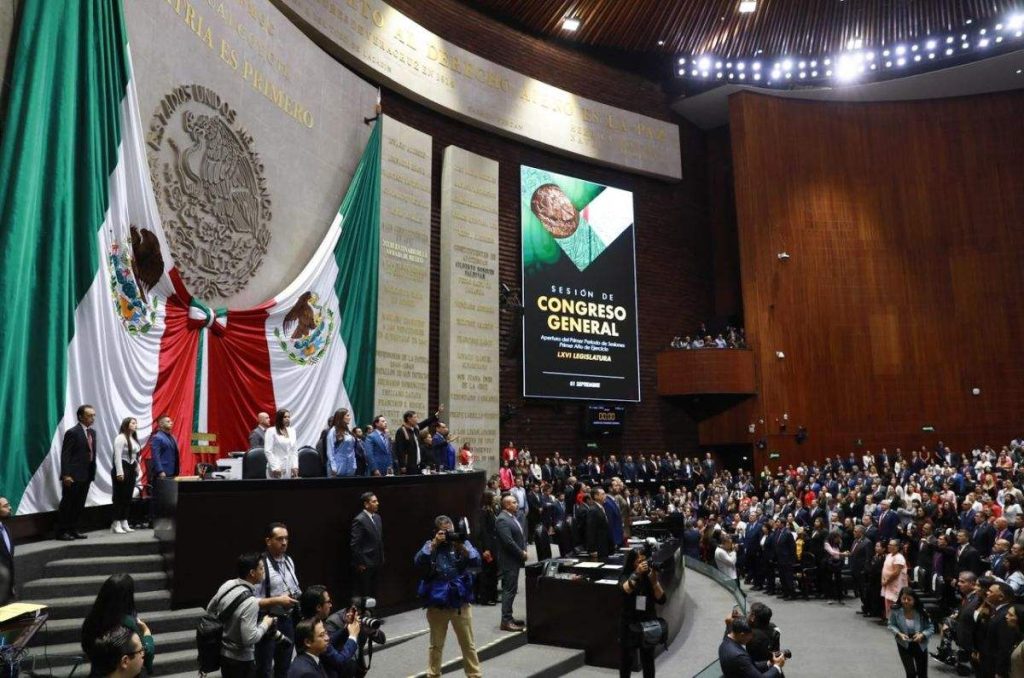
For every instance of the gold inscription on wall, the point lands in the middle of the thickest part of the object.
(403, 307)
(468, 358)
(239, 36)
(384, 43)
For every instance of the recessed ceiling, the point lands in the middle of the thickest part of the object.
(775, 27)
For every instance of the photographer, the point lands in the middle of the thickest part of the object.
(241, 632)
(447, 591)
(280, 598)
(643, 591)
(338, 659)
(734, 660)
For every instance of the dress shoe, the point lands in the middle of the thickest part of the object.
(64, 536)
(518, 622)
(511, 626)
(78, 535)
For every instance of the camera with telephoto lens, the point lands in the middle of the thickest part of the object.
(787, 653)
(460, 534)
(650, 547)
(275, 633)
(370, 625)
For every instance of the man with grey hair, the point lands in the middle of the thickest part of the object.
(446, 590)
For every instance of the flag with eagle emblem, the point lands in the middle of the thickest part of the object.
(93, 309)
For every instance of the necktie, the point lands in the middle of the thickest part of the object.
(88, 439)
(7, 538)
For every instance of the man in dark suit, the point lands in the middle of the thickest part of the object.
(1000, 638)
(6, 555)
(785, 558)
(598, 536)
(511, 556)
(257, 435)
(860, 552)
(77, 471)
(311, 641)
(984, 536)
(367, 545)
(163, 461)
(734, 660)
(970, 600)
(888, 521)
(411, 454)
(967, 557)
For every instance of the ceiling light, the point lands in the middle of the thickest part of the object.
(570, 24)
(660, 43)
(1016, 21)
(901, 50)
(931, 55)
(949, 50)
(931, 44)
(682, 61)
(747, 6)
(704, 63)
(718, 74)
(888, 64)
(901, 61)
(694, 72)
(718, 64)
(965, 45)
(914, 48)
(756, 65)
(949, 40)
(740, 66)
(787, 65)
(814, 74)
(917, 57)
(743, 76)
(854, 43)
(682, 71)
(983, 43)
(757, 76)
(969, 21)
(828, 61)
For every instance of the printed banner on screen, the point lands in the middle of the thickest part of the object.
(579, 289)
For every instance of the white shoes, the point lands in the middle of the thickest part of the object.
(116, 528)
(126, 527)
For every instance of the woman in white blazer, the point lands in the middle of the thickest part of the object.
(281, 449)
(124, 472)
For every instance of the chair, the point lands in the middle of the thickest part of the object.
(564, 535)
(310, 464)
(254, 464)
(543, 543)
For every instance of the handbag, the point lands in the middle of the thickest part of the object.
(650, 633)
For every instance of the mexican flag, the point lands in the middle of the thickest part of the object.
(93, 310)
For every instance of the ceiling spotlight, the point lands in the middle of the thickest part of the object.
(931, 44)
(694, 72)
(999, 38)
(983, 31)
(983, 43)
(917, 57)
(787, 65)
(969, 21)
(1015, 22)
(965, 45)
(570, 24)
(756, 65)
(845, 70)
(949, 40)
(718, 64)
(740, 66)
(660, 43)
(682, 61)
(802, 74)
(828, 61)
(869, 56)
(814, 74)
(901, 50)
(757, 76)
(885, 53)
(931, 55)
(901, 61)
(719, 74)
(828, 73)
(682, 71)
(747, 6)
(949, 50)
(743, 76)
(803, 64)
(704, 63)
(888, 64)
(914, 48)
(854, 43)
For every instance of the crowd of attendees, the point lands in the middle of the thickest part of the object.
(730, 337)
(931, 529)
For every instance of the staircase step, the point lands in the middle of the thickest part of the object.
(179, 662)
(124, 545)
(55, 587)
(60, 631)
(79, 606)
(66, 654)
(106, 565)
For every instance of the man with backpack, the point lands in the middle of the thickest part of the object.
(236, 607)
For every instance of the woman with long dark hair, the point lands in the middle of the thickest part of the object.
(281, 449)
(912, 628)
(341, 445)
(124, 472)
(115, 606)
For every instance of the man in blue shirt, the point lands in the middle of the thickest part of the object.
(446, 590)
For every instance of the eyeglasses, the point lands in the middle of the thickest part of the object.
(131, 655)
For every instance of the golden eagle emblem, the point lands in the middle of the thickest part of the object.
(307, 330)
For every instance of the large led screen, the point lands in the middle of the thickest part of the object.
(579, 289)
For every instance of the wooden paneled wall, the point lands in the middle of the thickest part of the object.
(905, 286)
(673, 252)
